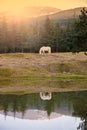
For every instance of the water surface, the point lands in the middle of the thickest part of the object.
(44, 111)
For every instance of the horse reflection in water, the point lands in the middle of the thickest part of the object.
(82, 126)
(45, 95)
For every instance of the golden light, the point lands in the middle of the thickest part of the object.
(17, 7)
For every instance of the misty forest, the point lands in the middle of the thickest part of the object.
(22, 36)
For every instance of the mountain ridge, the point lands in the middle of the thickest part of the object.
(43, 11)
(74, 12)
(39, 14)
(32, 11)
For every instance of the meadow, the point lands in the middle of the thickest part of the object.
(32, 72)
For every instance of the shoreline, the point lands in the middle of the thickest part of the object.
(28, 72)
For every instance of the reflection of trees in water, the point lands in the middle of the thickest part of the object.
(65, 101)
(80, 110)
(82, 125)
(48, 107)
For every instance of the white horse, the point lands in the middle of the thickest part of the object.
(45, 49)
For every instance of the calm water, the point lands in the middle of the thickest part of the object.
(44, 111)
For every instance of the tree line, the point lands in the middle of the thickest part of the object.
(23, 37)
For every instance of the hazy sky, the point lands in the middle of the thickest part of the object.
(61, 4)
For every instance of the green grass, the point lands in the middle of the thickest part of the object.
(35, 75)
(36, 80)
(4, 72)
(34, 86)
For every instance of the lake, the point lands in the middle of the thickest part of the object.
(44, 111)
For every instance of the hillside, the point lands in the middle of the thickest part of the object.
(70, 13)
(40, 11)
(34, 14)
(63, 16)
(29, 12)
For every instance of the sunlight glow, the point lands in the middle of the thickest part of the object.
(17, 6)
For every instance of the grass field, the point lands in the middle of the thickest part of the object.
(26, 72)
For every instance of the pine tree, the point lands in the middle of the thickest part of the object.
(47, 37)
(81, 31)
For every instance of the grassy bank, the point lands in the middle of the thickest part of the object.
(32, 72)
